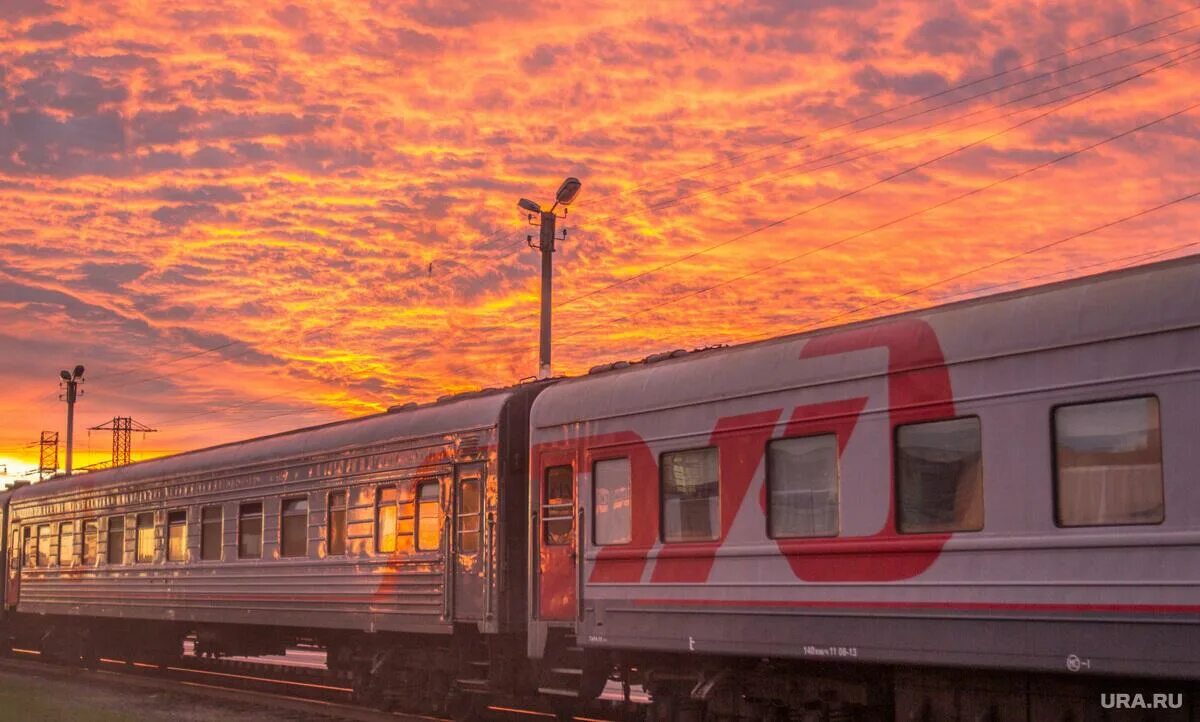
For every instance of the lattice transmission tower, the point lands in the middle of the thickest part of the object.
(48, 458)
(122, 428)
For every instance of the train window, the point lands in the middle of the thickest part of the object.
(115, 548)
(30, 547)
(558, 506)
(177, 536)
(470, 505)
(43, 545)
(335, 524)
(406, 519)
(250, 528)
(293, 528)
(429, 516)
(939, 476)
(145, 538)
(1108, 463)
(211, 531)
(91, 542)
(385, 519)
(66, 543)
(802, 483)
(691, 495)
(611, 503)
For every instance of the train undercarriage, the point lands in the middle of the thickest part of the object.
(459, 675)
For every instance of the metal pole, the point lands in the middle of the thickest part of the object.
(547, 248)
(72, 385)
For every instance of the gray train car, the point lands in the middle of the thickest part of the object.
(382, 538)
(1009, 483)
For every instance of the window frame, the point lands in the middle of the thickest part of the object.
(96, 537)
(137, 537)
(555, 504)
(330, 509)
(29, 546)
(662, 497)
(167, 537)
(596, 461)
(1054, 476)
(43, 561)
(394, 487)
(70, 546)
(262, 518)
(108, 538)
(898, 499)
(220, 524)
(283, 516)
(768, 484)
(474, 475)
(418, 504)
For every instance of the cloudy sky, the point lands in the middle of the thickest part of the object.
(244, 217)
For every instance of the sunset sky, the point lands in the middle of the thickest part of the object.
(244, 217)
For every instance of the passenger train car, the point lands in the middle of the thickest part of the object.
(988, 510)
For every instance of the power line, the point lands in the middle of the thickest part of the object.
(783, 172)
(167, 362)
(1006, 259)
(681, 200)
(708, 249)
(1121, 263)
(894, 221)
(189, 369)
(243, 404)
(908, 104)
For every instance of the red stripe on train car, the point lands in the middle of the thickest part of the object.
(993, 606)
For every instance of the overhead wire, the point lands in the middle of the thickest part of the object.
(726, 242)
(672, 202)
(992, 264)
(979, 189)
(782, 172)
(168, 362)
(907, 104)
(1121, 262)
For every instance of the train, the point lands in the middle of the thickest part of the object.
(988, 510)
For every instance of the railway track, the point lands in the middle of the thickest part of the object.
(300, 688)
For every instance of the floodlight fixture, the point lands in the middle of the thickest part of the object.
(528, 205)
(78, 372)
(65, 374)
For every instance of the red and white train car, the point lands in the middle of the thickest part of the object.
(1009, 483)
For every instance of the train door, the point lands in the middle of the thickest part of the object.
(470, 542)
(556, 538)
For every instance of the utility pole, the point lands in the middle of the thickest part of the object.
(122, 428)
(547, 220)
(546, 246)
(72, 379)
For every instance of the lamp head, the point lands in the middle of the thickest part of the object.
(528, 205)
(65, 374)
(78, 372)
(567, 191)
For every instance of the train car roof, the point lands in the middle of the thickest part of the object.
(448, 414)
(1142, 299)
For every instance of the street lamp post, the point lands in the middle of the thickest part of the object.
(547, 220)
(72, 379)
